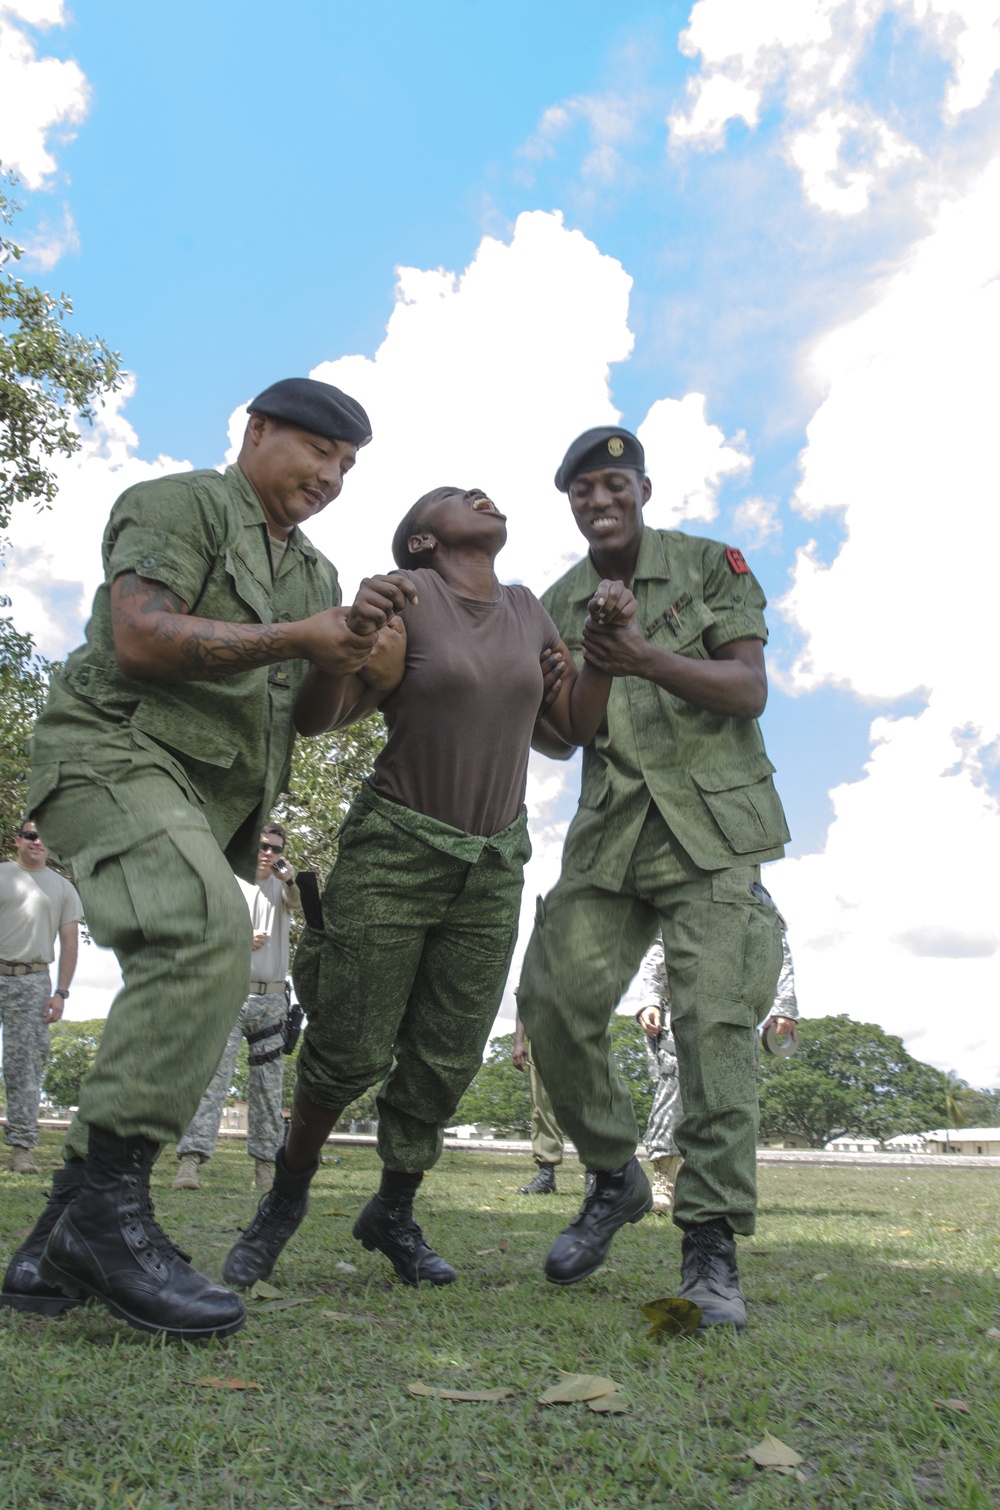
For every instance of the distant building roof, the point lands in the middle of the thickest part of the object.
(964, 1135)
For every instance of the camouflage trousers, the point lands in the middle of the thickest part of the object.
(723, 951)
(546, 1134)
(404, 982)
(667, 1109)
(265, 1127)
(157, 889)
(25, 1052)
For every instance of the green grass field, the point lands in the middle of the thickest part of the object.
(872, 1293)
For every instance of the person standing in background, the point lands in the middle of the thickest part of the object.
(37, 906)
(261, 1022)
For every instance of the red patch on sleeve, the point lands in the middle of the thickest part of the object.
(737, 565)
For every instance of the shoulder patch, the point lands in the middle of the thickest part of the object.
(737, 565)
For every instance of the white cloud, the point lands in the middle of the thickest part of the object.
(804, 56)
(39, 97)
(688, 459)
(50, 243)
(53, 564)
(897, 919)
(757, 520)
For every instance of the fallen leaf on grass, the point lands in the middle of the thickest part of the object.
(609, 1405)
(817, 1278)
(994, 1332)
(904, 1232)
(578, 1387)
(225, 1383)
(671, 1318)
(490, 1395)
(770, 1453)
(282, 1305)
(332, 1211)
(482, 1252)
(950, 1229)
(261, 1290)
(346, 1268)
(958, 1405)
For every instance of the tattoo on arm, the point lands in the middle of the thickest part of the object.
(195, 649)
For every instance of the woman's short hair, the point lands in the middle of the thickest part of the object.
(407, 526)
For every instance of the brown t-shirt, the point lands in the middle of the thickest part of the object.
(460, 722)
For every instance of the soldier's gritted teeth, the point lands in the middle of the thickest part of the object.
(607, 506)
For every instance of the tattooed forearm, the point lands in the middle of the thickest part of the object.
(156, 637)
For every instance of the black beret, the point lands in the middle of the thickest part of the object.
(605, 446)
(317, 407)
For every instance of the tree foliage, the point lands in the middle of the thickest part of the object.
(848, 1077)
(72, 1049)
(500, 1096)
(326, 774)
(50, 379)
(24, 679)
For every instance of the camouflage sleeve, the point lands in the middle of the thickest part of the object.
(734, 595)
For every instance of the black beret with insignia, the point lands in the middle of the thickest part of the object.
(317, 407)
(606, 446)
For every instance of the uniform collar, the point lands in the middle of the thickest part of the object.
(651, 565)
(253, 514)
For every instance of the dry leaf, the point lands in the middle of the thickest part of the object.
(994, 1332)
(333, 1211)
(226, 1383)
(821, 1276)
(770, 1453)
(578, 1387)
(482, 1252)
(671, 1318)
(905, 1232)
(282, 1305)
(958, 1405)
(949, 1229)
(346, 1268)
(261, 1290)
(490, 1395)
(609, 1405)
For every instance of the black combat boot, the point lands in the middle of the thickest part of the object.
(24, 1289)
(709, 1276)
(279, 1216)
(619, 1196)
(107, 1246)
(387, 1224)
(544, 1182)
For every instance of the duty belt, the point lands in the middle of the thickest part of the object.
(15, 967)
(267, 988)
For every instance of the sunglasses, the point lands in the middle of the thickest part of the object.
(271, 849)
(29, 833)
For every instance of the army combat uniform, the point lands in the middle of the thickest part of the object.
(677, 811)
(154, 792)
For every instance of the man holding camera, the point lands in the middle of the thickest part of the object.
(261, 1022)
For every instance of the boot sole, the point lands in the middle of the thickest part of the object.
(630, 1221)
(78, 1291)
(40, 1305)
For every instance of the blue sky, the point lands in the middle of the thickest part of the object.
(758, 234)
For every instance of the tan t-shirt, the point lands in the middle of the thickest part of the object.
(34, 905)
(460, 722)
(271, 904)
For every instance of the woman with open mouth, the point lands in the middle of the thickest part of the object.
(420, 911)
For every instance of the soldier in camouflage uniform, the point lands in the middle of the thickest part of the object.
(677, 812)
(37, 906)
(546, 1134)
(261, 1022)
(162, 747)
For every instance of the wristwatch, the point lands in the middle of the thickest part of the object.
(61, 991)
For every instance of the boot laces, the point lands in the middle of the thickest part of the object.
(709, 1244)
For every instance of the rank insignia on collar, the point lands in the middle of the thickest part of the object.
(737, 565)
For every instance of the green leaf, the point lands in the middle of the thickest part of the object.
(672, 1317)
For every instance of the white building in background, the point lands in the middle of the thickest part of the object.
(850, 1143)
(967, 1140)
(907, 1143)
